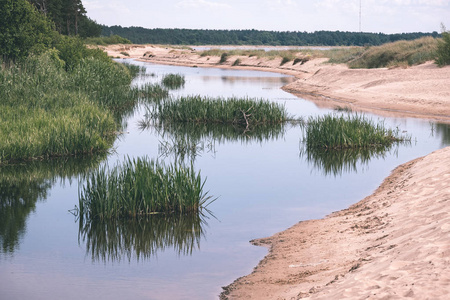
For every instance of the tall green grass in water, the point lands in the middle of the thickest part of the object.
(141, 187)
(239, 111)
(352, 131)
(173, 81)
(44, 116)
(46, 111)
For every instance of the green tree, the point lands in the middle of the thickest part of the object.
(23, 30)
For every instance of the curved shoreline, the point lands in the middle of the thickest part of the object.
(420, 91)
(392, 244)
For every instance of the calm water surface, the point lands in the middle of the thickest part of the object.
(263, 186)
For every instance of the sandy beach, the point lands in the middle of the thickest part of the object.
(394, 243)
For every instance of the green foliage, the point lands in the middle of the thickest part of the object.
(141, 187)
(106, 40)
(339, 132)
(47, 111)
(223, 58)
(237, 62)
(72, 50)
(443, 49)
(44, 116)
(284, 60)
(139, 35)
(69, 17)
(23, 30)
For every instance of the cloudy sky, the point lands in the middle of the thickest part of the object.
(387, 16)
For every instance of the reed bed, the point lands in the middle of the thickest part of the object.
(244, 112)
(141, 187)
(346, 132)
(173, 81)
(47, 111)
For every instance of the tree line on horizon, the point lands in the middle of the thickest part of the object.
(140, 35)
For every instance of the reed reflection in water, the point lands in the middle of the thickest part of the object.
(336, 162)
(23, 185)
(186, 141)
(142, 238)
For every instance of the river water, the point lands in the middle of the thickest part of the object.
(264, 183)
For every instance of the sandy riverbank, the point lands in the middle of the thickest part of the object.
(392, 244)
(421, 91)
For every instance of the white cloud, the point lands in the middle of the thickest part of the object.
(201, 4)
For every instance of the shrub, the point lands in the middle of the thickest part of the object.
(223, 58)
(443, 49)
(284, 60)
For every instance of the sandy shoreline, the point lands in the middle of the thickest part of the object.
(394, 243)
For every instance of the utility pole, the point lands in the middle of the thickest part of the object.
(360, 15)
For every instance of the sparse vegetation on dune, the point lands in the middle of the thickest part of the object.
(401, 53)
(396, 54)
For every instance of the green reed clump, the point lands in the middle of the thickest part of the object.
(239, 111)
(344, 132)
(173, 81)
(141, 187)
(152, 92)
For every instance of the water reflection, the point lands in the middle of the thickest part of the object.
(186, 141)
(337, 162)
(443, 130)
(22, 185)
(142, 238)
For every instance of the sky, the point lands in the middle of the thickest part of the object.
(386, 16)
